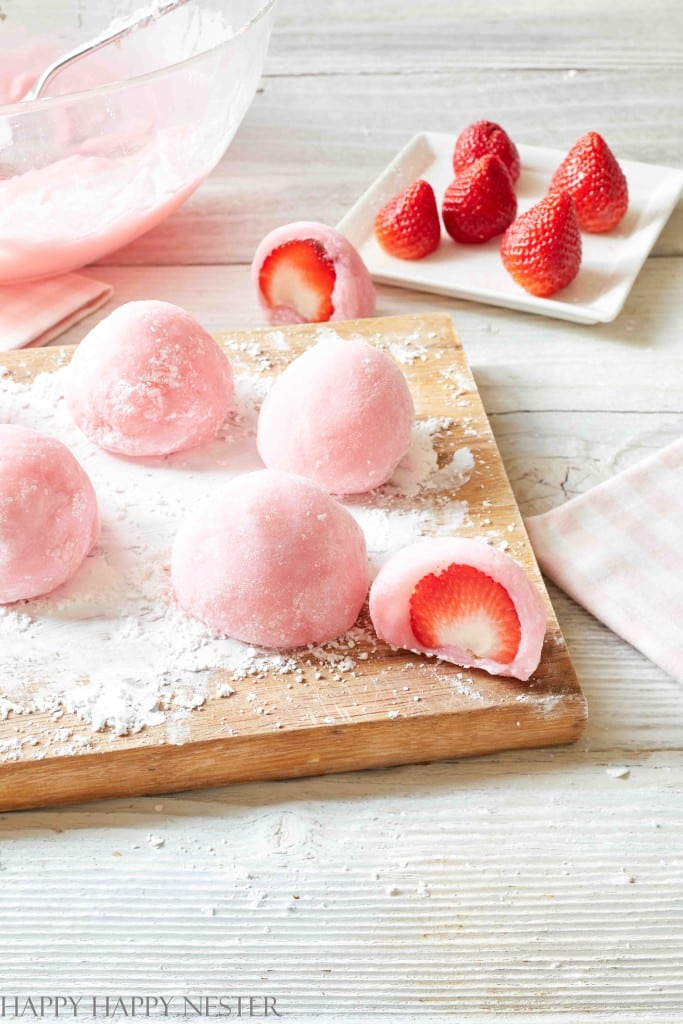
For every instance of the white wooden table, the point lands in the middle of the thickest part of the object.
(515, 888)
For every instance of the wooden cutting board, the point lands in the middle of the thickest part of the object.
(393, 707)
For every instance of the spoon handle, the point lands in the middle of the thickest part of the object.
(119, 29)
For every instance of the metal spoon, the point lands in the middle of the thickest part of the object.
(118, 30)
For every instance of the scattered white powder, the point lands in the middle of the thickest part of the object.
(111, 646)
(410, 350)
(618, 772)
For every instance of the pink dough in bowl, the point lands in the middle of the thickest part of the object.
(123, 138)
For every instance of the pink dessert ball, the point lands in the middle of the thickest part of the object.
(340, 414)
(307, 272)
(49, 519)
(274, 561)
(463, 601)
(149, 380)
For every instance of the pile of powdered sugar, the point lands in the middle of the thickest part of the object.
(111, 646)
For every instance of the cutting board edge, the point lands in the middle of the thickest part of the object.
(294, 753)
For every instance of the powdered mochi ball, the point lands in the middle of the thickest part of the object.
(149, 380)
(341, 414)
(274, 561)
(48, 514)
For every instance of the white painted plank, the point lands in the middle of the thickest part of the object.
(387, 35)
(499, 884)
(646, 334)
(427, 1013)
(310, 146)
(390, 34)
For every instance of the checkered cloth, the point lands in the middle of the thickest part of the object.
(37, 312)
(618, 551)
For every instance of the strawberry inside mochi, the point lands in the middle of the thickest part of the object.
(463, 601)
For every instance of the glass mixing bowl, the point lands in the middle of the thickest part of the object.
(125, 135)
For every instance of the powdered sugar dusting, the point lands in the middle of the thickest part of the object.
(111, 646)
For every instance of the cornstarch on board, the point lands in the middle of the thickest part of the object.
(111, 645)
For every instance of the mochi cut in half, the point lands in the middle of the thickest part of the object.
(463, 601)
(306, 272)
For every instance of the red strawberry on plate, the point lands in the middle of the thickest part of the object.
(408, 225)
(542, 248)
(299, 275)
(463, 607)
(479, 203)
(595, 181)
(480, 139)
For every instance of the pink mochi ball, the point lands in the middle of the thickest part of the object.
(274, 561)
(49, 519)
(340, 414)
(149, 380)
(463, 601)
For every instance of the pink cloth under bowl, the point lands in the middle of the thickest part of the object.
(39, 311)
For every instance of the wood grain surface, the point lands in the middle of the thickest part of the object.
(528, 887)
(365, 718)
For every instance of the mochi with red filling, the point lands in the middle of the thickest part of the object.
(463, 601)
(307, 272)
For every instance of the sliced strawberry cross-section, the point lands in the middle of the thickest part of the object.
(463, 607)
(462, 601)
(299, 275)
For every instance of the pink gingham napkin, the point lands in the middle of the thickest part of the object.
(618, 551)
(36, 312)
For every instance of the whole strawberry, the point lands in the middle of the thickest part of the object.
(542, 249)
(408, 225)
(480, 202)
(480, 139)
(595, 181)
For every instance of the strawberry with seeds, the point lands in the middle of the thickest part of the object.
(480, 203)
(463, 606)
(299, 274)
(408, 225)
(595, 181)
(480, 139)
(462, 601)
(541, 250)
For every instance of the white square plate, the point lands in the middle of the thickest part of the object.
(610, 262)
